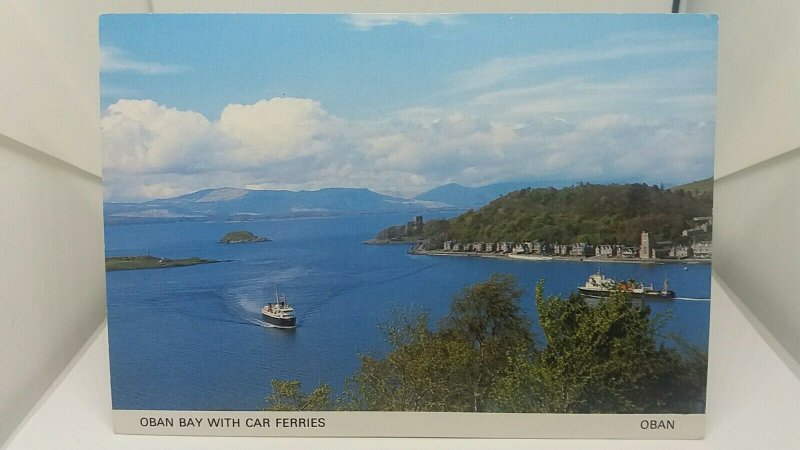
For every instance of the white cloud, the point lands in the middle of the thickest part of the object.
(368, 21)
(294, 143)
(152, 150)
(278, 129)
(601, 123)
(655, 93)
(517, 67)
(704, 101)
(113, 59)
(141, 136)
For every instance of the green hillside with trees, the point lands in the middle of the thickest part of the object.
(483, 357)
(697, 188)
(595, 214)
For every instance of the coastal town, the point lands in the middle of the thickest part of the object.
(647, 250)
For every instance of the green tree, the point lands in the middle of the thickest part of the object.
(516, 388)
(598, 358)
(489, 313)
(453, 369)
(604, 358)
(423, 371)
(487, 318)
(679, 382)
(288, 396)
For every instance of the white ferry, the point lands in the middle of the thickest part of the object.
(599, 286)
(280, 313)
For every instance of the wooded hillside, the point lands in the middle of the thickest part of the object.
(595, 214)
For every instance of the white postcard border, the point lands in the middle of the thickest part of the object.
(410, 424)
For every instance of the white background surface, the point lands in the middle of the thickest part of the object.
(757, 161)
(51, 270)
(52, 284)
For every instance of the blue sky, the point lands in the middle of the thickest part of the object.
(403, 103)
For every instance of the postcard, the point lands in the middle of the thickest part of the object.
(467, 225)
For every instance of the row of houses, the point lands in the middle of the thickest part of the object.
(667, 250)
(540, 248)
(696, 250)
(581, 249)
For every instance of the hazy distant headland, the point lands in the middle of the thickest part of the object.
(241, 205)
(245, 205)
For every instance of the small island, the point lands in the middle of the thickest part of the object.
(241, 237)
(151, 262)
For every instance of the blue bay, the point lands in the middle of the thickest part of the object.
(192, 338)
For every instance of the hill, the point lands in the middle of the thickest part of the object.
(244, 204)
(471, 197)
(595, 214)
(702, 187)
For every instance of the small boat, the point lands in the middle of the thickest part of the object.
(664, 294)
(599, 286)
(279, 314)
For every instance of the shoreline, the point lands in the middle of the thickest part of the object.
(249, 241)
(389, 242)
(536, 258)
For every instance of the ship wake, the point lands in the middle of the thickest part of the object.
(692, 299)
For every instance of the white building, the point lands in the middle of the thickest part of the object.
(702, 249)
(680, 251)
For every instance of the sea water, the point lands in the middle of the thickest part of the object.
(192, 338)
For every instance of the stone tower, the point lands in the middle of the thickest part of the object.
(644, 248)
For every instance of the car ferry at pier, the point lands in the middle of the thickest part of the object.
(279, 314)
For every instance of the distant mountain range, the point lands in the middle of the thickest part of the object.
(471, 197)
(244, 204)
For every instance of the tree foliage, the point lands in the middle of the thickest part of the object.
(487, 319)
(598, 358)
(422, 372)
(287, 396)
(596, 214)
